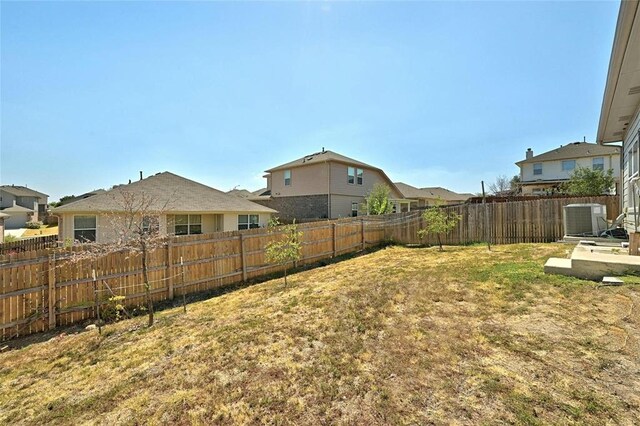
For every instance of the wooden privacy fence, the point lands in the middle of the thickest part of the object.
(533, 221)
(42, 289)
(29, 244)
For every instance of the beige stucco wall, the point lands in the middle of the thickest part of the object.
(341, 205)
(340, 184)
(1, 229)
(305, 180)
(231, 220)
(552, 170)
(323, 178)
(105, 228)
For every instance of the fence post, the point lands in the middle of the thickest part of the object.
(169, 270)
(335, 239)
(243, 258)
(362, 232)
(52, 290)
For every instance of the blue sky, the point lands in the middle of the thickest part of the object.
(435, 93)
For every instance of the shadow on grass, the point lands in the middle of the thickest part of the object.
(61, 331)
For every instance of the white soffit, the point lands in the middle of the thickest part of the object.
(622, 93)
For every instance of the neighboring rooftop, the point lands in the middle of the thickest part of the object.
(321, 157)
(17, 209)
(169, 192)
(73, 198)
(22, 191)
(444, 194)
(573, 150)
(241, 193)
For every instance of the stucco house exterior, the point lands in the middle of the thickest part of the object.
(22, 204)
(3, 216)
(324, 185)
(620, 113)
(429, 196)
(186, 207)
(543, 174)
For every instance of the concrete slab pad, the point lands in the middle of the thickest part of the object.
(558, 266)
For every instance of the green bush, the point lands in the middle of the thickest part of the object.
(33, 225)
(10, 238)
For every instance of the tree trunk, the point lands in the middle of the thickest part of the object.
(147, 287)
(285, 277)
(439, 242)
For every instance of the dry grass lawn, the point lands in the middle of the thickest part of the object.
(44, 230)
(399, 336)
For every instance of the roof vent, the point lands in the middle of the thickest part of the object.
(634, 90)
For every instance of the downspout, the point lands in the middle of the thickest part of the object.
(328, 190)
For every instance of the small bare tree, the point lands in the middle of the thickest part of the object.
(502, 186)
(285, 250)
(135, 225)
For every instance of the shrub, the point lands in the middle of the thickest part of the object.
(10, 239)
(33, 225)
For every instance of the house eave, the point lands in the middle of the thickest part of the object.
(621, 77)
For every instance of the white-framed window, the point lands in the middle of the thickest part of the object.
(84, 228)
(187, 224)
(354, 176)
(248, 221)
(354, 209)
(598, 163)
(537, 168)
(568, 165)
(287, 178)
(633, 161)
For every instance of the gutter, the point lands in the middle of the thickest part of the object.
(624, 25)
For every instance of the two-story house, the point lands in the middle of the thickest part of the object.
(620, 113)
(324, 185)
(543, 174)
(22, 205)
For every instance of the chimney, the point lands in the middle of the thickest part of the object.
(140, 174)
(529, 153)
(323, 149)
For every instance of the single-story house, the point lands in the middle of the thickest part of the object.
(185, 207)
(424, 197)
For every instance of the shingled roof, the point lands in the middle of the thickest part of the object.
(321, 157)
(22, 191)
(169, 192)
(431, 193)
(573, 150)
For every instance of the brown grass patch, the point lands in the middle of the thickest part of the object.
(400, 336)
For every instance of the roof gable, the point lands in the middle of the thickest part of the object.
(320, 157)
(22, 191)
(170, 193)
